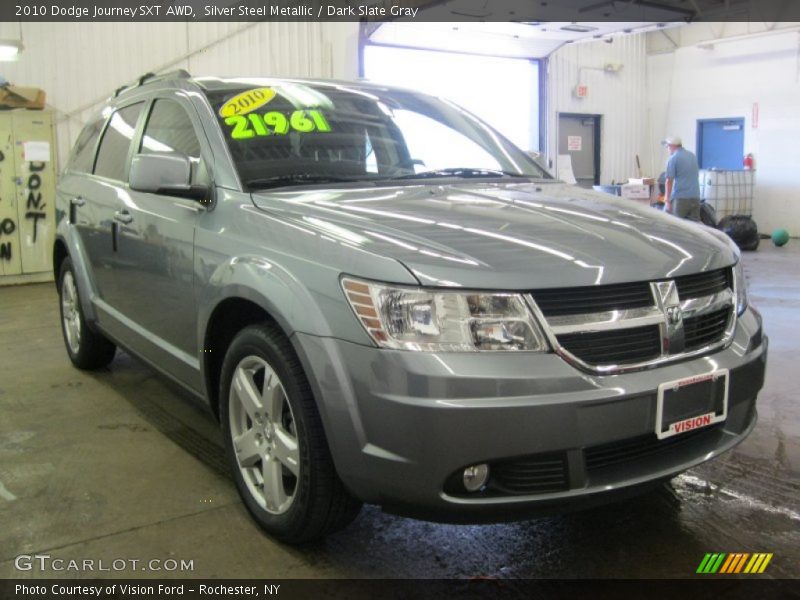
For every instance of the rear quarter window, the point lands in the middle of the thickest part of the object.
(82, 157)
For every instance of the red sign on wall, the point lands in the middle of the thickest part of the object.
(581, 91)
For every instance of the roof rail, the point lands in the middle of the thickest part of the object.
(151, 77)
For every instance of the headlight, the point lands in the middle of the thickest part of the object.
(740, 285)
(412, 318)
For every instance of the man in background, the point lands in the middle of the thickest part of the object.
(682, 188)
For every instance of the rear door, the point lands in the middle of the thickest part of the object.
(155, 246)
(91, 188)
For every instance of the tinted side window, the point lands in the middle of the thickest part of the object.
(112, 157)
(82, 157)
(169, 130)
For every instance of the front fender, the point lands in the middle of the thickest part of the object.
(292, 273)
(267, 285)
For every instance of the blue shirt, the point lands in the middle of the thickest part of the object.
(682, 169)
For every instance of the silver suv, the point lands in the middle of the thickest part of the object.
(385, 301)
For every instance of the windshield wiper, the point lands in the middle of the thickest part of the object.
(294, 179)
(466, 172)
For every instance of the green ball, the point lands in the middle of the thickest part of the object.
(780, 237)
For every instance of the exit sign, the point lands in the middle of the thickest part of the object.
(581, 91)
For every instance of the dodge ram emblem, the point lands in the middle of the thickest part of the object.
(674, 315)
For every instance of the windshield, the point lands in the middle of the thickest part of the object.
(287, 133)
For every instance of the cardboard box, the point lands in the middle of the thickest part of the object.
(642, 180)
(635, 191)
(13, 96)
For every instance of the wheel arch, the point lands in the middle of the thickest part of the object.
(67, 245)
(245, 290)
(60, 253)
(228, 317)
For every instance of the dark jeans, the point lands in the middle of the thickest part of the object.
(686, 208)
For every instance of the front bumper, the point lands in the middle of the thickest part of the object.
(400, 424)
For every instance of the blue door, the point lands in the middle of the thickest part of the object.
(720, 143)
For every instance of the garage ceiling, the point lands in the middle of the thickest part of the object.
(536, 28)
(604, 10)
(523, 40)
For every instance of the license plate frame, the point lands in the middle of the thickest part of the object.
(695, 421)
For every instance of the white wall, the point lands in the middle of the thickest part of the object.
(80, 64)
(690, 83)
(619, 97)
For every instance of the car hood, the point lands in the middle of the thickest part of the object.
(516, 236)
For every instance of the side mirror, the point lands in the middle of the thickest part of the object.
(168, 174)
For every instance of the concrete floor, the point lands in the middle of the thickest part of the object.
(120, 464)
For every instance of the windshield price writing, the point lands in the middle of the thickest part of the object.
(274, 122)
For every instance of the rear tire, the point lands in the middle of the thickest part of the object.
(275, 442)
(87, 349)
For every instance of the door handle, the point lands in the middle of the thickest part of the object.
(123, 216)
(74, 203)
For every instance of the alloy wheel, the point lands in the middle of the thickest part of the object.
(70, 312)
(264, 435)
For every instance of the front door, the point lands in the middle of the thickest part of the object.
(155, 250)
(578, 138)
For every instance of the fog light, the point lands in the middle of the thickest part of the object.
(475, 477)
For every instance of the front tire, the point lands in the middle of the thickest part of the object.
(275, 441)
(87, 349)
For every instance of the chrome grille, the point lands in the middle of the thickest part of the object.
(705, 329)
(619, 346)
(621, 327)
(592, 299)
(703, 284)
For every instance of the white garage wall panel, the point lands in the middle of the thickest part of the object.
(619, 97)
(725, 81)
(80, 64)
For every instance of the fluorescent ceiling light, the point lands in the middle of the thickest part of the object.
(10, 49)
(579, 28)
